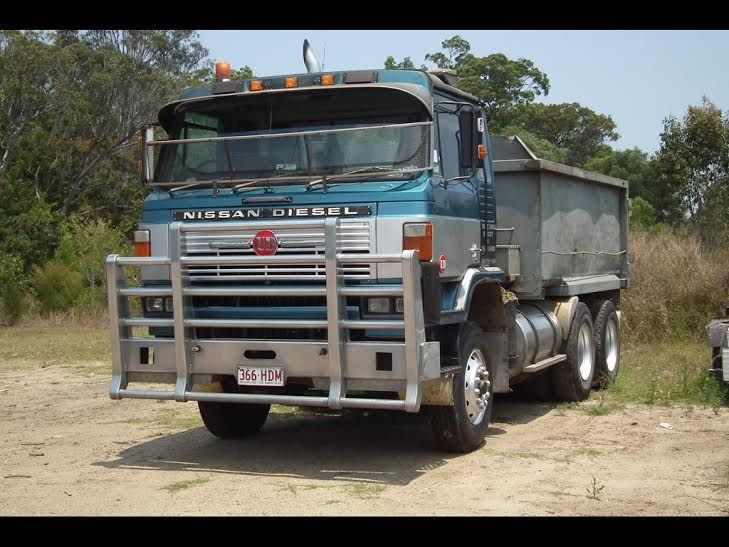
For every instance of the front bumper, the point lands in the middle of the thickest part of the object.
(336, 364)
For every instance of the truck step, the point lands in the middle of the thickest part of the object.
(544, 363)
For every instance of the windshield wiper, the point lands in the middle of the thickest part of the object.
(263, 179)
(229, 180)
(198, 183)
(325, 180)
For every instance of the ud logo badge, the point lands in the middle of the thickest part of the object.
(265, 243)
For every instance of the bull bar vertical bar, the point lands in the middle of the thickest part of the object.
(335, 306)
(118, 307)
(414, 328)
(179, 303)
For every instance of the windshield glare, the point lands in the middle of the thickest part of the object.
(333, 142)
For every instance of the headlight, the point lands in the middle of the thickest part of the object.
(385, 305)
(154, 304)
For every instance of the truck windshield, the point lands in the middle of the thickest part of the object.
(294, 139)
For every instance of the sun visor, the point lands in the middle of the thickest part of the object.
(391, 98)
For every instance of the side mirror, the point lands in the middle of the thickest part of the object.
(147, 162)
(467, 132)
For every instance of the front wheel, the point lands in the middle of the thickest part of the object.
(462, 427)
(233, 420)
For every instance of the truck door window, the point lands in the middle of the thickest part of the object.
(449, 147)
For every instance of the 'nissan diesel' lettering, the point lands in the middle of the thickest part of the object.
(242, 214)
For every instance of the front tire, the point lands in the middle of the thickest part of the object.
(462, 427)
(572, 379)
(233, 420)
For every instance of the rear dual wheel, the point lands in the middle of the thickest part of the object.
(607, 343)
(572, 379)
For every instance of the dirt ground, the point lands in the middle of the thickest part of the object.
(67, 449)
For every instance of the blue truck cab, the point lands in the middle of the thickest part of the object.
(330, 239)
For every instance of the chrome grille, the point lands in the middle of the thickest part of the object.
(352, 237)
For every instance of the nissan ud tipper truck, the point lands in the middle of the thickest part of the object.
(355, 240)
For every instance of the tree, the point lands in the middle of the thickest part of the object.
(117, 80)
(642, 213)
(456, 50)
(104, 86)
(28, 226)
(171, 52)
(391, 64)
(692, 168)
(632, 165)
(576, 128)
(503, 84)
(27, 70)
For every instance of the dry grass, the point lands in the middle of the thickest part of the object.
(676, 288)
(42, 346)
(72, 319)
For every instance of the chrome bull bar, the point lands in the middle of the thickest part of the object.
(421, 358)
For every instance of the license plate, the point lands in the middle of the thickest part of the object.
(260, 376)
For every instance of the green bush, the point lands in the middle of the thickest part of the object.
(12, 303)
(13, 287)
(83, 248)
(57, 286)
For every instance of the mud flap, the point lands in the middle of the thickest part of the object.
(499, 356)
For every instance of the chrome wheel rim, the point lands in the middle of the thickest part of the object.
(477, 387)
(585, 355)
(611, 346)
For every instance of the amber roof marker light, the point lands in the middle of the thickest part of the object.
(222, 71)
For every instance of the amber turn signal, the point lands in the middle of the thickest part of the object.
(481, 152)
(142, 244)
(418, 236)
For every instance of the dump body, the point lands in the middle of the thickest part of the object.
(561, 231)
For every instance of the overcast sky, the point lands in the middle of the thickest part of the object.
(637, 77)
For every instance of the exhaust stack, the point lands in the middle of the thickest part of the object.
(310, 60)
